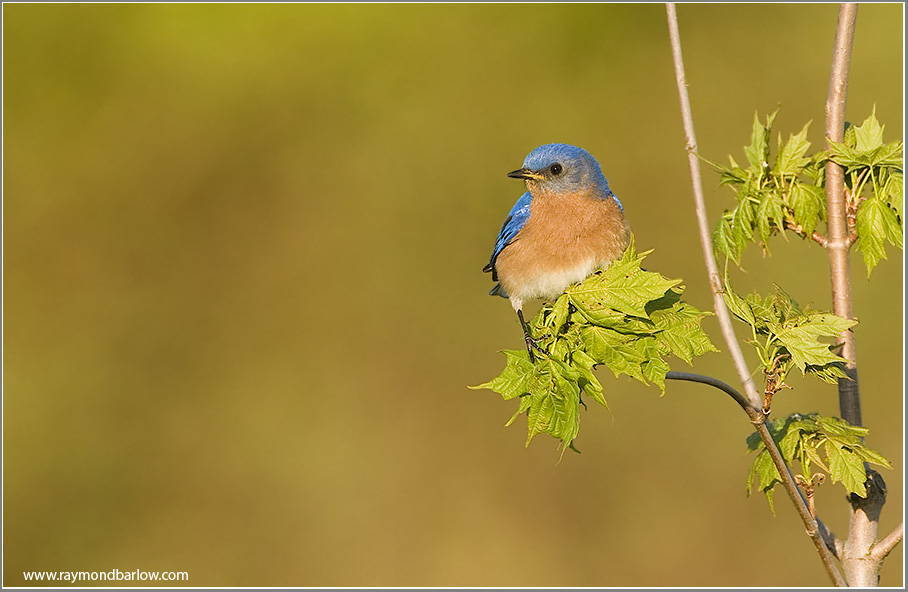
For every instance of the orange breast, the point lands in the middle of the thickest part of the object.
(566, 238)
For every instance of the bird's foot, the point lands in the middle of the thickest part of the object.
(534, 344)
(531, 342)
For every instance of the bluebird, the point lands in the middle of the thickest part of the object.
(567, 225)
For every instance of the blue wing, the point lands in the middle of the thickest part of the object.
(519, 215)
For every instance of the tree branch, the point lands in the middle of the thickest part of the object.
(687, 376)
(861, 569)
(728, 332)
(814, 236)
(754, 399)
(837, 234)
(880, 550)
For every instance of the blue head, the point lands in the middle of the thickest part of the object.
(561, 168)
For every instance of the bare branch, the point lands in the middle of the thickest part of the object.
(858, 562)
(728, 331)
(754, 399)
(880, 550)
(837, 218)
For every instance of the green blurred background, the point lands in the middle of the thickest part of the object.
(243, 296)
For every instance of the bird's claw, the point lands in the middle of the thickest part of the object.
(534, 344)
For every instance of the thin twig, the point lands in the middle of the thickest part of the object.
(814, 236)
(687, 376)
(754, 399)
(728, 331)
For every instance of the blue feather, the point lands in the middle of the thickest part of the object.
(519, 215)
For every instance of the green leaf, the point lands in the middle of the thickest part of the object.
(888, 155)
(737, 306)
(742, 222)
(614, 351)
(849, 138)
(559, 315)
(733, 175)
(872, 456)
(807, 202)
(525, 403)
(767, 475)
(783, 305)
(553, 404)
(541, 417)
(894, 191)
(727, 242)
(839, 428)
(847, 467)
(758, 150)
(830, 373)
(893, 227)
(791, 159)
(654, 368)
(514, 379)
(869, 135)
(769, 215)
(846, 156)
(566, 416)
(811, 449)
(790, 444)
(766, 317)
(801, 339)
(680, 331)
(876, 223)
(588, 383)
(623, 287)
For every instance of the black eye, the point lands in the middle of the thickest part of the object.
(556, 169)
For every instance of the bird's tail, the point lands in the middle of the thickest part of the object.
(498, 291)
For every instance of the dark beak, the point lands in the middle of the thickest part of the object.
(525, 174)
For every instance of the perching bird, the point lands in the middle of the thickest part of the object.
(567, 225)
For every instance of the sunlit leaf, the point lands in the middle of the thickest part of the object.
(758, 150)
(801, 339)
(791, 159)
(806, 203)
(869, 135)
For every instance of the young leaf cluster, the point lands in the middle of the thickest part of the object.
(788, 194)
(772, 196)
(868, 162)
(621, 317)
(831, 444)
(786, 336)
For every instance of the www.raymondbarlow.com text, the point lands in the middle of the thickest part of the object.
(114, 575)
